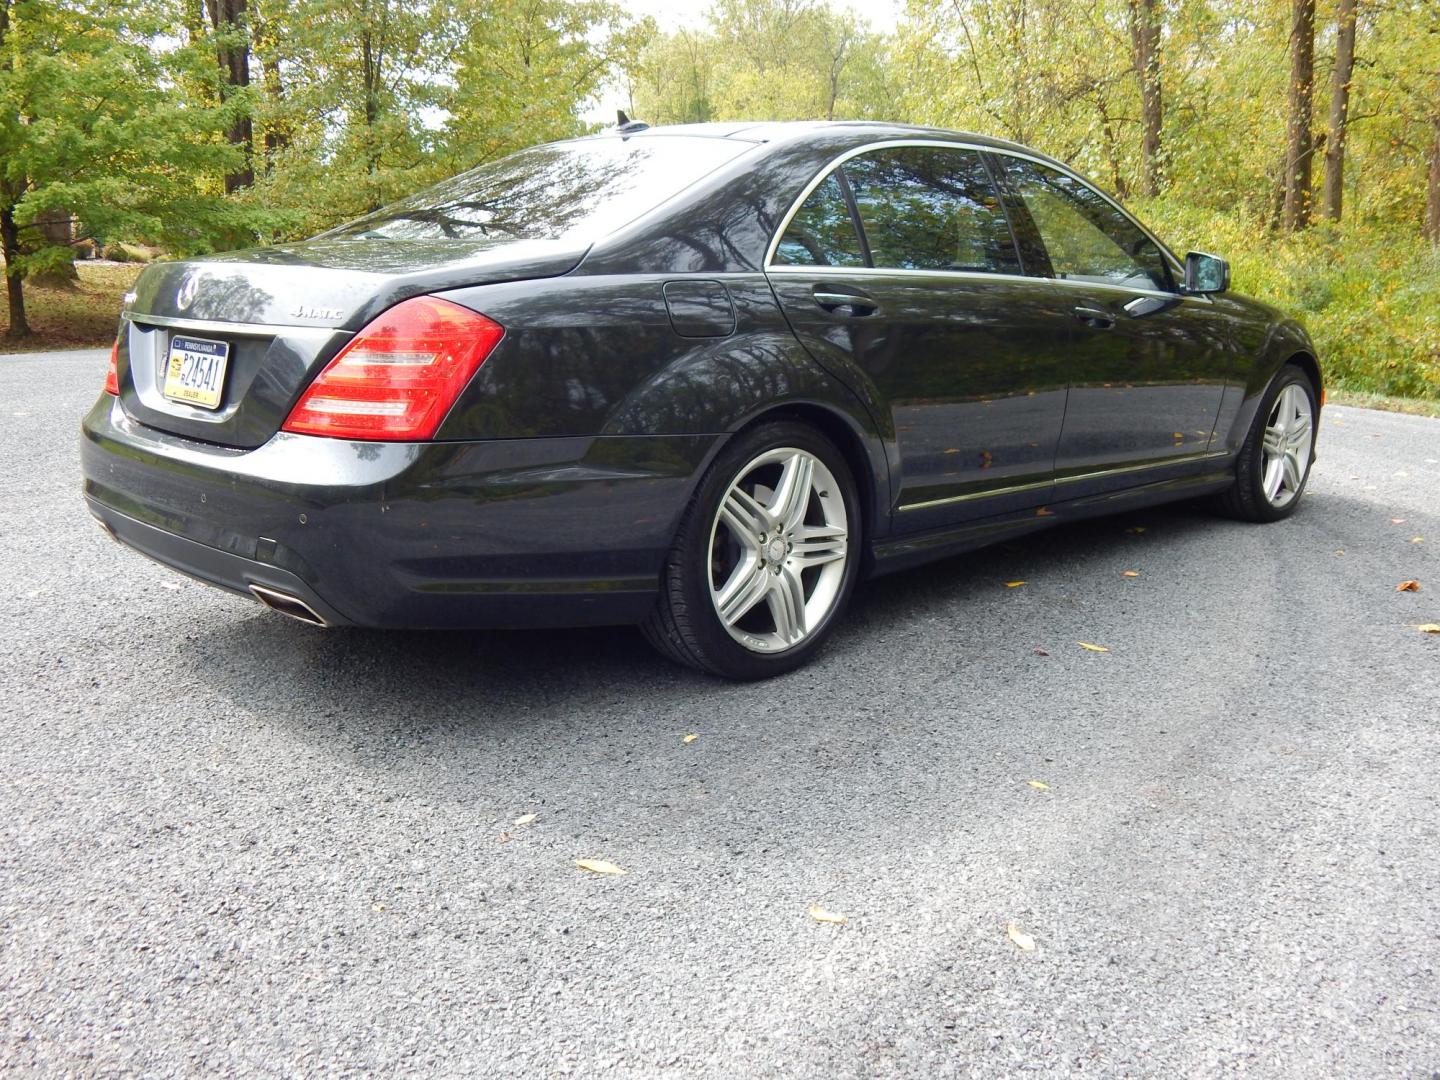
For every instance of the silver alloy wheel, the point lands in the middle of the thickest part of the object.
(1289, 435)
(778, 547)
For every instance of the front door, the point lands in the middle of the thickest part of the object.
(1147, 368)
(901, 264)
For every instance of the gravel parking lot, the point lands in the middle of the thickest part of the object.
(232, 844)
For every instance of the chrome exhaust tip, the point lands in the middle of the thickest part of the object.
(289, 605)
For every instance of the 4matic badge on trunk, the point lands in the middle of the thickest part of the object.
(195, 371)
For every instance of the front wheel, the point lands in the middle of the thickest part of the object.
(1274, 463)
(766, 557)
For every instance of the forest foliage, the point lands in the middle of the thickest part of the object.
(1300, 138)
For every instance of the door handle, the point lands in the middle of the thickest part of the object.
(1095, 317)
(858, 303)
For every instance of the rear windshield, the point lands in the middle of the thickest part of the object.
(571, 190)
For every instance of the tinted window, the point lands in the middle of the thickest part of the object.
(926, 208)
(582, 189)
(1086, 238)
(821, 233)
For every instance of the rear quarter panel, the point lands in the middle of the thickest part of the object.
(598, 355)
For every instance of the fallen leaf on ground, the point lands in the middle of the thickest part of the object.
(1429, 628)
(1129, 573)
(1408, 586)
(691, 737)
(1020, 938)
(1340, 551)
(525, 819)
(1038, 785)
(1015, 584)
(1092, 648)
(1039, 651)
(600, 866)
(1417, 539)
(1136, 529)
(819, 914)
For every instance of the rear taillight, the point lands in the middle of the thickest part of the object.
(400, 375)
(112, 374)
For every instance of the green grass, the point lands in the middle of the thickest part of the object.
(72, 318)
(1369, 296)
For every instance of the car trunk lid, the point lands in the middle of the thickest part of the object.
(263, 322)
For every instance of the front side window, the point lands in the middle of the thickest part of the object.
(931, 208)
(1086, 237)
(822, 232)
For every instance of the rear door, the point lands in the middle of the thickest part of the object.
(1147, 367)
(901, 263)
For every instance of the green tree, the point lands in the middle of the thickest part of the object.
(366, 100)
(765, 60)
(92, 127)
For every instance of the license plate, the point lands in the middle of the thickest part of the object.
(195, 371)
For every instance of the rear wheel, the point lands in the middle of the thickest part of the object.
(1274, 462)
(765, 559)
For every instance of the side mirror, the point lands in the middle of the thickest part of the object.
(1206, 273)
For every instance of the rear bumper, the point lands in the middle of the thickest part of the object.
(505, 533)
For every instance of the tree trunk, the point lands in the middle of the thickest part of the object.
(1432, 191)
(14, 283)
(267, 51)
(233, 53)
(1339, 111)
(1145, 43)
(1112, 153)
(1299, 147)
(9, 234)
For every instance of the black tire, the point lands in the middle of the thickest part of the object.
(1246, 500)
(685, 625)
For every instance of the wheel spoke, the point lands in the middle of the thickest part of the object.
(1292, 406)
(787, 604)
(792, 494)
(747, 519)
(1274, 475)
(815, 545)
(1291, 467)
(1299, 431)
(747, 586)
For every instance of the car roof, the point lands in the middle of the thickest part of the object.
(799, 131)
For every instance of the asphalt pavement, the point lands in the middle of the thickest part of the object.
(231, 844)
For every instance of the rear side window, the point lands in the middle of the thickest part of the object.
(822, 232)
(931, 208)
(1086, 237)
(581, 190)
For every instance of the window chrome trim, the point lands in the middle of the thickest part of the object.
(900, 271)
(970, 275)
(1183, 459)
(769, 264)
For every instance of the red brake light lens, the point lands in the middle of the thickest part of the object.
(400, 375)
(112, 374)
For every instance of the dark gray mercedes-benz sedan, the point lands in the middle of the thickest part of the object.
(696, 378)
